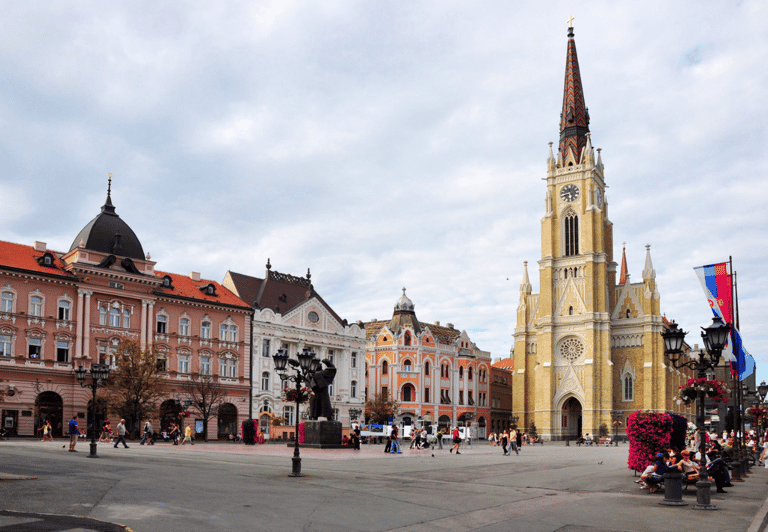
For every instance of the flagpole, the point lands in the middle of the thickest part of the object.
(739, 391)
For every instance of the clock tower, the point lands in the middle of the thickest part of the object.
(585, 347)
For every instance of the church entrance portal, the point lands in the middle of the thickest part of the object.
(570, 421)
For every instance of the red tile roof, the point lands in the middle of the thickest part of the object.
(184, 287)
(443, 335)
(505, 363)
(21, 257)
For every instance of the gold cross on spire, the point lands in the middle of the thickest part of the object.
(570, 21)
(109, 186)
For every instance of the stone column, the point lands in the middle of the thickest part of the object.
(143, 324)
(80, 318)
(150, 323)
(87, 324)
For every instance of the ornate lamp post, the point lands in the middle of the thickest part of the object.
(714, 338)
(99, 375)
(762, 393)
(303, 370)
(616, 415)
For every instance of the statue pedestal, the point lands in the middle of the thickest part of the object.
(322, 434)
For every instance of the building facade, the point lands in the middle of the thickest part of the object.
(289, 314)
(502, 416)
(63, 310)
(436, 373)
(586, 346)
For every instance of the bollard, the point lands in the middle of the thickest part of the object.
(703, 500)
(673, 488)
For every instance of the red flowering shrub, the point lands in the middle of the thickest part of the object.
(649, 433)
(689, 392)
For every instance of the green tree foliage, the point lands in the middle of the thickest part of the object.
(134, 389)
(379, 409)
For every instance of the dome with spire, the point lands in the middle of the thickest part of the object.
(404, 304)
(108, 233)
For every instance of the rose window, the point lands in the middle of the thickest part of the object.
(571, 349)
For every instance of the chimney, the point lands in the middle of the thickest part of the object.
(449, 325)
(40, 246)
(195, 276)
(437, 323)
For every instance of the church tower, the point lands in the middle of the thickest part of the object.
(570, 336)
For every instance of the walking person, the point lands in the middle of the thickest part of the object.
(518, 441)
(47, 431)
(439, 437)
(188, 435)
(74, 433)
(456, 440)
(173, 433)
(513, 435)
(504, 442)
(121, 434)
(356, 438)
(147, 434)
(395, 445)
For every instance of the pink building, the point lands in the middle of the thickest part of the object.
(62, 310)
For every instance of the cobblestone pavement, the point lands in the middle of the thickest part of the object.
(223, 486)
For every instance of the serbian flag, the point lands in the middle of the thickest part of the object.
(718, 289)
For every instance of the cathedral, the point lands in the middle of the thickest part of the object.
(588, 350)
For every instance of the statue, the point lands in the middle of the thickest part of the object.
(320, 404)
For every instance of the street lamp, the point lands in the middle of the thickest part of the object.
(714, 338)
(616, 415)
(306, 366)
(99, 375)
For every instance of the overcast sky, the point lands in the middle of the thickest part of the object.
(390, 144)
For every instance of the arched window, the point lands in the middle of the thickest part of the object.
(353, 389)
(409, 393)
(102, 315)
(426, 369)
(407, 340)
(126, 319)
(384, 368)
(629, 392)
(469, 372)
(36, 306)
(265, 381)
(571, 234)
(6, 304)
(114, 317)
(461, 372)
(407, 365)
(629, 315)
(570, 311)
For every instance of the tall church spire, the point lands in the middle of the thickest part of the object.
(624, 277)
(574, 119)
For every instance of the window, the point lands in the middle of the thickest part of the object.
(461, 397)
(183, 363)
(5, 345)
(461, 372)
(184, 327)
(330, 356)
(426, 395)
(162, 324)
(385, 391)
(6, 302)
(628, 388)
(571, 234)
(384, 368)
(62, 351)
(408, 393)
(426, 369)
(407, 365)
(407, 340)
(205, 330)
(288, 415)
(570, 311)
(35, 347)
(265, 381)
(114, 317)
(205, 365)
(469, 372)
(102, 315)
(233, 333)
(126, 319)
(330, 390)
(228, 368)
(161, 365)
(470, 399)
(353, 389)
(223, 332)
(265, 347)
(36, 306)
(64, 310)
(353, 360)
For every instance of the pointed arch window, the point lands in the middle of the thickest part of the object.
(384, 368)
(426, 369)
(571, 234)
(629, 390)
(407, 338)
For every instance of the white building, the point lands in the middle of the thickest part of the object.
(290, 314)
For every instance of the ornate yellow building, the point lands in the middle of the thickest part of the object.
(587, 350)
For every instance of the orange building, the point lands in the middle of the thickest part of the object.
(502, 372)
(435, 373)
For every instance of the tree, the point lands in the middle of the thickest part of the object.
(380, 409)
(134, 388)
(206, 394)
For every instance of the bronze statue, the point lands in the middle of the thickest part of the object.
(320, 404)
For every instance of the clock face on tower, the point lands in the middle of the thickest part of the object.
(569, 192)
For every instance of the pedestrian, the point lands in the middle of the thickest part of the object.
(439, 437)
(513, 435)
(105, 436)
(395, 445)
(456, 440)
(173, 432)
(504, 442)
(187, 435)
(147, 434)
(121, 434)
(518, 441)
(356, 437)
(47, 431)
(73, 434)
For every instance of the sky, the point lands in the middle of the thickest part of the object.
(391, 144)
